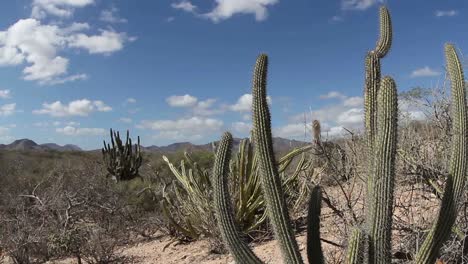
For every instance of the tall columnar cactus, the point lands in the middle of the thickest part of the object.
(458, 163)
(383, 174)
(379, 178)
(122, 160)
(271, 182)
(373, 244)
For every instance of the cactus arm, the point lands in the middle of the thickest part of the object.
(372, 83)
(355, 254)
(314, 248)
(457, 176)
(385, 40)
(271, 182)
(224, 214)
(383, 171)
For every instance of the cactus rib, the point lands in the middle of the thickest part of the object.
(271, 182)
(355, 254)
(457, 176)
(226, 223)
(314, 248)
(383, 174)
(385, 40)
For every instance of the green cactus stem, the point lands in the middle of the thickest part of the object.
(457, 173)
(356, 243)
(314, 247)
(224, 212)
(271, 182)
(385, 40)
(122, 160)
(383, 174)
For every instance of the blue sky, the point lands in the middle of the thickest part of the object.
(180, 70)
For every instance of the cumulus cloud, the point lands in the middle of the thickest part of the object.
(424, 72)
(225, 9)
(358, 4)
(449, 13)
(5, 94)
(38, 45)
(7, 109)
(290, 130)
(193, 128)
(107, 42)
(81, 107)
(81, 131)
(59, 8)
(111, 16)
(242, 127)
(182, 100)
(185, 5)
(353, 101)
(332, 95)
(244, 103)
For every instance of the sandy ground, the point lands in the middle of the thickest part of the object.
(167, 251)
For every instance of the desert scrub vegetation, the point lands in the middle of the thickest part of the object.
(393, 194)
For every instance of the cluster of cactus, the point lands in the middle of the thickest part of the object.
(122, 160)
(371, 243)
(190, 208)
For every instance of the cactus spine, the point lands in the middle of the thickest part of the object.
(383, 173)
(224, 213)
(355, 254)
(372, 245)
(380, 102)
(457, 176)
(314, 247)
(271, 182)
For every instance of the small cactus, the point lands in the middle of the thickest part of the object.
(122, 160)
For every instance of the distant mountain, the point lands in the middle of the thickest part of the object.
(280, 144)
(27, 144)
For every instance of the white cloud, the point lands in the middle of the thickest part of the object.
(290, 130)
(5, 94)
(358, 4)
(107, 42)
(81, 107)
(5, 136)
(111, 16)
(205, 108)
(332, 95)
(449, 13)
(74, 131)
(60, 8)
(125, 120)
(185, 5)
(244, 103)
(193, 128)
(424, 72)
(242, 127)
(353, 101)
(182, 100)
(31, 42)
(225, 9)
(130, 100)
(7, 109)
(353, 117)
